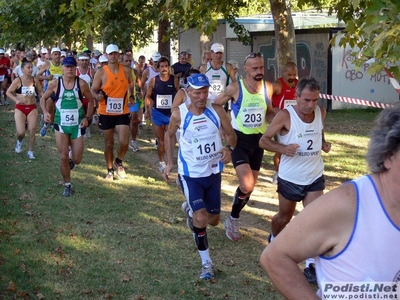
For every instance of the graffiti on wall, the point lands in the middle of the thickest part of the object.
(312, 60)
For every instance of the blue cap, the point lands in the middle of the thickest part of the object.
(198, 81)
(69, 61)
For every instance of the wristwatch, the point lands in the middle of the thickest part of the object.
(230, 147)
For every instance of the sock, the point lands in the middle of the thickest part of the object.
(239, 201)
(118, 161)
(200, 236)
(309, 261)
(205, 256)
(110, 170)
(67, 184)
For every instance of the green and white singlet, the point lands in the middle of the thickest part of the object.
(69, 110)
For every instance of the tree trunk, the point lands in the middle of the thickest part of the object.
(284, 33)
(89, 42)
(163, 46)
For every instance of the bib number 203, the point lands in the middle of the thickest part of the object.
(251, 118)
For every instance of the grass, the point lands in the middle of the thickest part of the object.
(128, 239)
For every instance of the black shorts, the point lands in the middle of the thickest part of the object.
(109, 122)
(297, 192)
(248, 151)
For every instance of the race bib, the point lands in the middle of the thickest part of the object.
(1, 78)
(253, 117)
(55, 76)
(115, 105)
(69, 117)
(216, 86)
(28, 90)
(206, 148)
(287, 103)
(164, 101)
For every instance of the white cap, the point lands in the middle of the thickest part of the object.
(234, 63)
(103, 58)
(83, 56)
(63, 53)
(217, 47)
(43, 50)
(2, 51)
(112, 48)
(189, 51)
(55, 49)
(156, 56)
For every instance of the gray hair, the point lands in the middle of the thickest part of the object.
(308, 82)
(384, 139)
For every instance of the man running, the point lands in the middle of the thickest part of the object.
(110, 86)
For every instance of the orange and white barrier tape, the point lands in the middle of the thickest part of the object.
(393, 81)
(356, 101)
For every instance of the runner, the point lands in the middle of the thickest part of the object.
(201, 159)
(69, 120)
(23, 92)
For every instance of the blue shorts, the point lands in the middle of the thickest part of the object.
(297, 192)
(137, 106)
(203, 192)
(158, 118)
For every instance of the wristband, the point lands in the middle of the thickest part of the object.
(230, 147)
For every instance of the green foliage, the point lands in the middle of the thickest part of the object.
(373, 28)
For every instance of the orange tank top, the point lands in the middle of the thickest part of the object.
(116, 89)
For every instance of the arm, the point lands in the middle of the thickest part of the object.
(170, 140)
(88, 95)
(46, 95)
(44, 68)
(145, 75)
(149, 101)
(326, 146)
(314, 231)
(281, 123)
(131, 92)
(277, 90)
(202, 68)
(11, 91)
(270, 110)
(229, 133)
(96, 85)
(231, 92)
(231, 72)
(178, 99)
(38, 86)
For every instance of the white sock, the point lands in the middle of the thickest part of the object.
(309, 261)
(205, 256)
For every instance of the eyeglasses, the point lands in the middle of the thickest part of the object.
(253, 55)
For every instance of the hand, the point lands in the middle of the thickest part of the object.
(84, 123)
(291, 149)
(167, 170)
(47, 117)
(226, 155)
(326, 146)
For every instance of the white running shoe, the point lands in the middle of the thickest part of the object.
(18, 147)
(30, 155)
(162, 166)
(232, 228)
(207, 271)
(134, 146)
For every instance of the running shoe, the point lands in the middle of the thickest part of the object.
(232, 228)
(120, 170)
(309, 274)
(30, 155)
(134, 146)
(109, 176)
(67, 190)
(18, 147)
(275, 178)
(161, 166)
(189, 220)
(43, 130)
(207, 271)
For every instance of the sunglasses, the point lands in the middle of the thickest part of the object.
(253, 55)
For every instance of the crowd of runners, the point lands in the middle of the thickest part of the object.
(212, 113)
